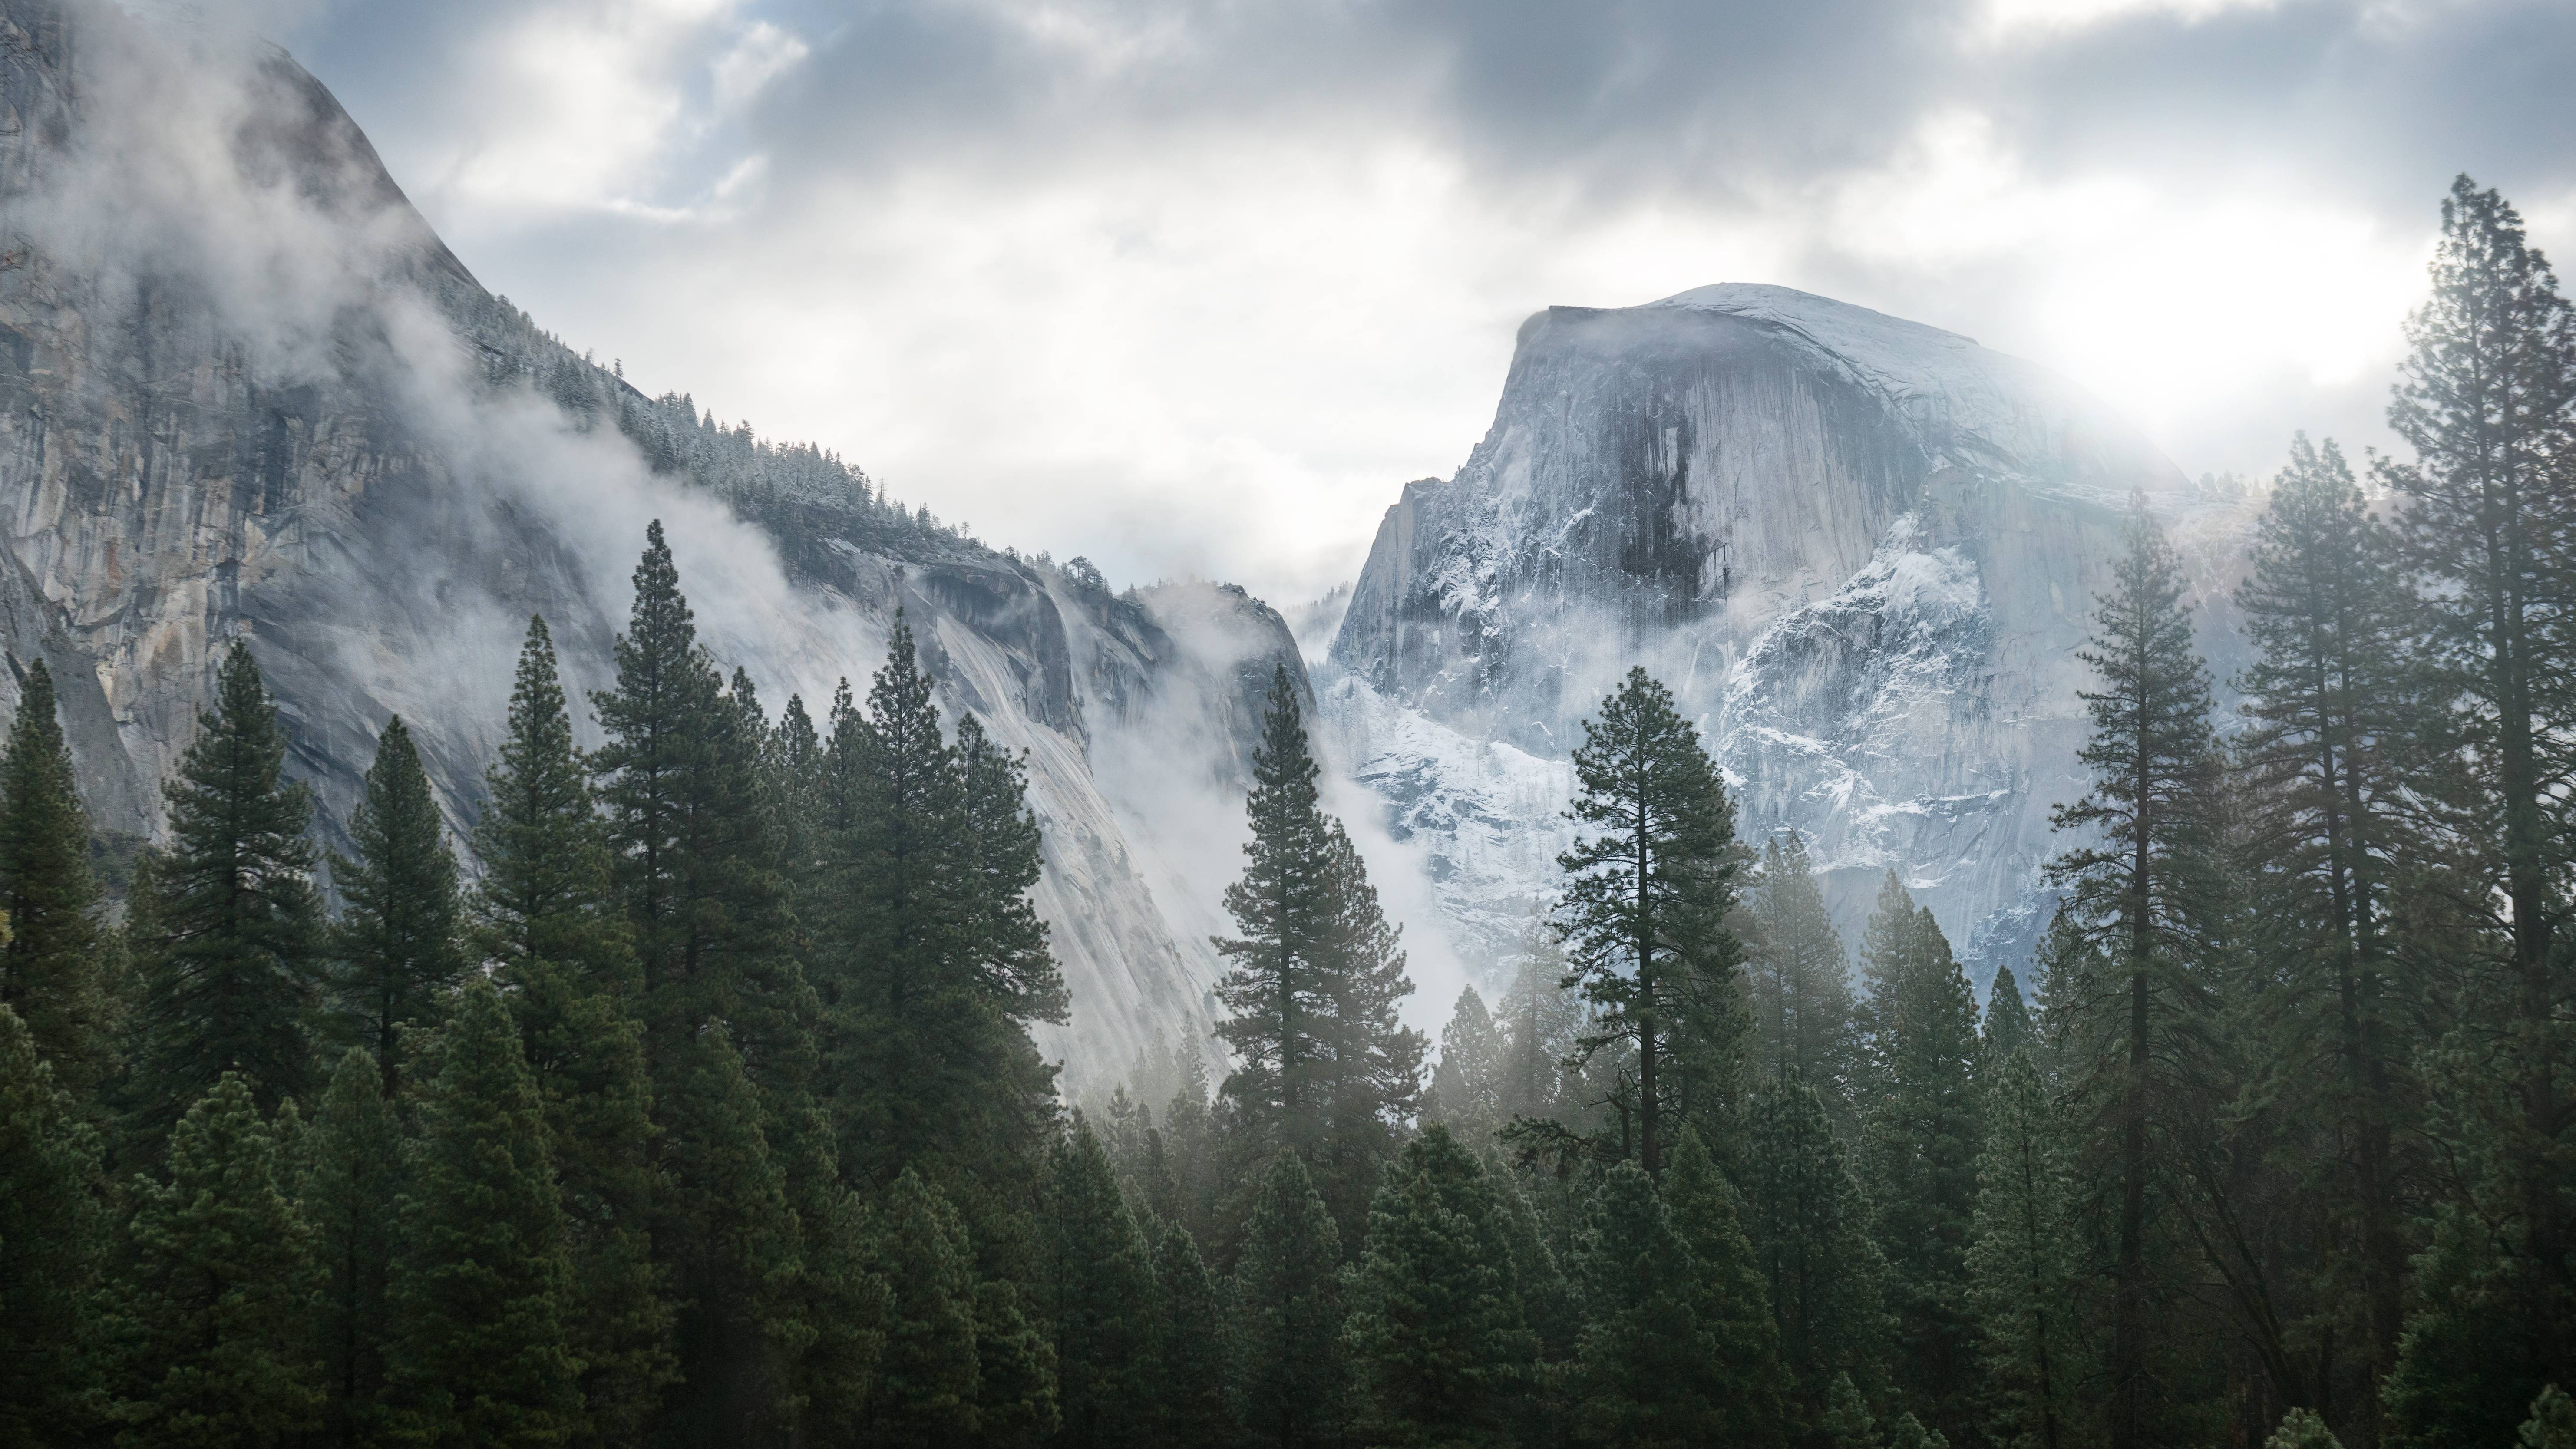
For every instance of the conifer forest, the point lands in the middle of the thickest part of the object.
(690, 1099)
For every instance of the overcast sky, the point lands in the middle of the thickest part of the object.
(1193, 288)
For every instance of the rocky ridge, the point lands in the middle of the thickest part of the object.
(1862, 551)
(246, 392)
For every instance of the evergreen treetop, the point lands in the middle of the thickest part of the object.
(1646, 899)
(397, 945)
(231, 957)
(50, 959)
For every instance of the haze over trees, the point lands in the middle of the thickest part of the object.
(703, 1110)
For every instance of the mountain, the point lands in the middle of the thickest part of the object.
(1861, 550)
(246, 392)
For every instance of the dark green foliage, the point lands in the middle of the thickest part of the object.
(846, 1306)
(2007, 1026)
(1289, 1376)
(397, 947)
(482, 1286)
(1808, 1219)
(1847, 1423)
(928, 961)
(1016, 1370)
(1922, 1128)
(1099, 1297)
(2302, 1429)
(560, 952)
(233, 934)
(1645, 906)
(1435, 1333)
(53, 1243)
(1187, 1362)
(2020, 1261)
(1648, 1369)
(1800, 979)
(2552, 1424)
(1466, 1085)
(1733, 1306)
(1324, 1068)
(352, 1173)
(2487, 402)
(928, 1384)
(214, 1309)
(51, 962)
(2146, 899)
(727, 1237)
(2327, 1025)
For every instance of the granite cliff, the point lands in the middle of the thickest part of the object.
(246, 392)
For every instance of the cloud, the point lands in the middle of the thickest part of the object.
(1194, 287)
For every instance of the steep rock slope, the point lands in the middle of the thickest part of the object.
(1862, 551)
(246, 392)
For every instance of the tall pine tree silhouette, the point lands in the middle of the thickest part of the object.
(213, 1310)
(1324, 1066)
(231, 960)
(1290, 1378)
(53, 1246)
(50, 964)
(2144, 897)
(544, 917)
(1800, 977)
(398, 945)
(1645, 905)
(352, 1177)
(1923, 1126)
(1435, 1333)
(481, 1284)
(2487, 402)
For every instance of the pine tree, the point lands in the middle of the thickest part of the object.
(728, 1020)
(1435, 1332)
(1465, 1086)
(1922, 1134)
(1100, 1297)
(1734, 1311)
(1646, 899)
(728, 1237)
(397, 946)
(1800, 979)
(1289, 1375)
(846, 1306)
(53, 1242)
(2145, 896)
(349, 1185)
(235, 928)
(213, 1308)
(929, 1382)
(927, 953)
(2021, 1277)
(560, 951)
(50, 961)
(1016, 1404)
(481, 1284)
(2487, 402)
(2007, 1027)
(1324, 1067)
(2331, 774)
(1847, 1423)
(1646, 1364)
(1187, 1364)
(1808, 1219)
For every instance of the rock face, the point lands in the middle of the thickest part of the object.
(1863, 553)
(246, 393)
